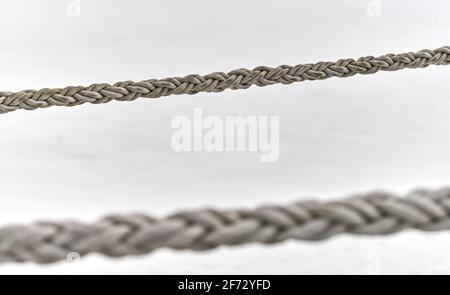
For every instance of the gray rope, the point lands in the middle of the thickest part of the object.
(217, 82)
(376, 213)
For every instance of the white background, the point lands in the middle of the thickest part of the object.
(387, 131)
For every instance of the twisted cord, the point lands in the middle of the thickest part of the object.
(219, 81)
(376, 213)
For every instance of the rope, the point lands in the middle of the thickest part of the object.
(217, 82)
(376, 213)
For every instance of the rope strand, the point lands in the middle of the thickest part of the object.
(217, 82)
(376, 213)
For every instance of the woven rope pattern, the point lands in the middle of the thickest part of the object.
(217, 82)
(376, 213)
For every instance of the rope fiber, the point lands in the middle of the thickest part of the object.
(219, 81)
(376, 213)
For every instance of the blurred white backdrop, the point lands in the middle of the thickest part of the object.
(336, 137)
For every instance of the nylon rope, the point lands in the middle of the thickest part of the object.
(375, 213)
(219, 81)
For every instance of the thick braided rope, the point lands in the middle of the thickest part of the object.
(376, 213)
(217, 82)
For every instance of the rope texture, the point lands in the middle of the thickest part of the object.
(217, 82)
(376, 213)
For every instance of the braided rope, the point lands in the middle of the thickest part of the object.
(376, 213)
(217, 82)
